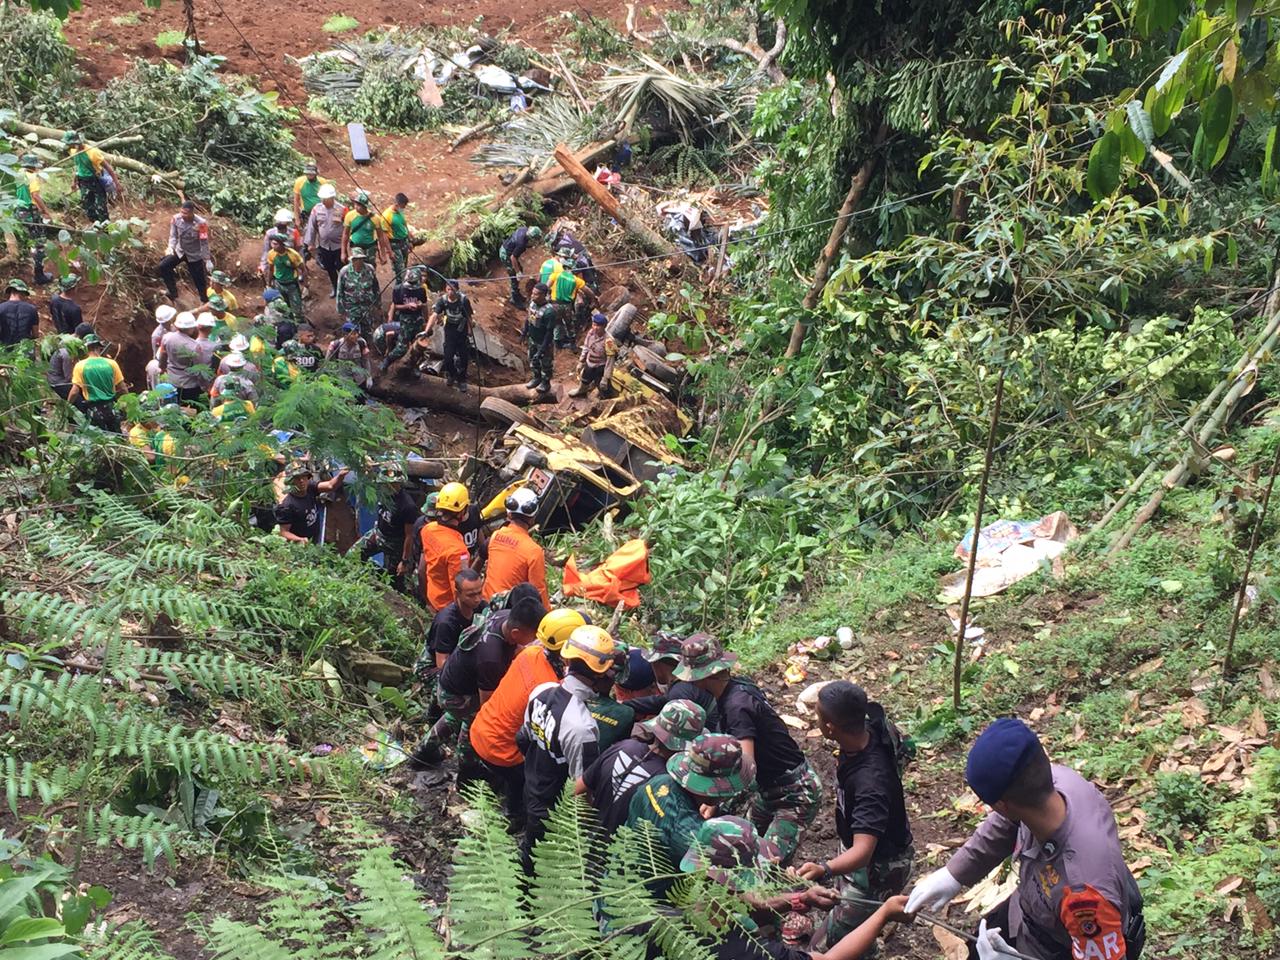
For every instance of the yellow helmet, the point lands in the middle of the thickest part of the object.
(556, 626)
(594, 647)
(453, 497)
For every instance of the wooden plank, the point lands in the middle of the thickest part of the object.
(649, 239)
(359, 143)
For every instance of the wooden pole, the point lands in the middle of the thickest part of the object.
(649, 239)
(1244, 578)
(835, 240)
(958, 666)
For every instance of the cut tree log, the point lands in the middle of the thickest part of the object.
(649, 239)
(835, 240)
(433, 393)
(116, 160)
(765, 59)
(1243, 376)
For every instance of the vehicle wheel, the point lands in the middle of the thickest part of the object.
(652, 364)
(503, 413)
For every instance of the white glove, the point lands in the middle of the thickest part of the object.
(934, 892)
(992, 946)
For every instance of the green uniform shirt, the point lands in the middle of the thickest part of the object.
(364, 227)
(549, 266)
(85, 167)
(564, 287)
(27, 185)
(396, 223)
(308, 192)
(283, 266)
(613, 721)
(97, 378)
(670, 808)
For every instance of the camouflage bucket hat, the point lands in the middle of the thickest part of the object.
(731, 852)
(679, 722)
(666, 646)
(701, 656)
(217, 302)
(711, 766)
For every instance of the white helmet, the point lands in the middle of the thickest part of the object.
(522, 503)
(165, 313)
(206, 320)
(328, 190)
(234, 360)
(239, 343)
(186, 320)
(284, 216)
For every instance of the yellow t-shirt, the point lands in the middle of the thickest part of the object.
(94, 155)
(227, 296)
(370, 225)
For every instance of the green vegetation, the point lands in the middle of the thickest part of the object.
(130, 19)
(168, 39)
(340, 23)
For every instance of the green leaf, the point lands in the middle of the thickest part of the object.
(1140, 122)
(1104, 167)
(1171, 586)
(1268, 159)
(1216, 118)
(26, 929)
(1164, 14)
(49, 951)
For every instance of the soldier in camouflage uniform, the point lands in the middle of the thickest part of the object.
(788, 791)
(359, 296)
(408, 308)
(707, 772)
(539, 330)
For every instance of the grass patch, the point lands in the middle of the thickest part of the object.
(340, 23)
(168, 39)
(130, 19)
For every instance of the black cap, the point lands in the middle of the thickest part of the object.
(188, 205)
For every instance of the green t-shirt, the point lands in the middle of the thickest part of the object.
(23, 189)
(309, 193)
(564, 288)
(613, 721)
(84, 164)
(282, 266)
(667, 805)
(363, 233)
(398, 226)
(96, 377)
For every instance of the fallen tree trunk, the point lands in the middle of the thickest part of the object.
(649, 238)
(432, 392)
(1243, 376)
(115, 159)
(857, 187)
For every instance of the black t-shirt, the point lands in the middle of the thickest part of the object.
(747, 715)
(615, 777)
(470, 528)
(393, 515)
(652, 705)
(736, 945)
(18, 321)
(402, 293)
(517, 243)
(869, 794)
(479, 662)
(301, 513)
(446, 627)
(66, 314)
(456, 313)
(307, 358)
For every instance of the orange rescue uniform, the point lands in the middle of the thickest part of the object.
(514, 558)
(444, 553)
(493, 731)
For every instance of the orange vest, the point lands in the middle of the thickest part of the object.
(493, 731)
(514, 559)
(444, 553)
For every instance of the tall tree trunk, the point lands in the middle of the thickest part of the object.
(835, 240)
(189, 8)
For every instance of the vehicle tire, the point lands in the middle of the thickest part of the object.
(503, 413)
(650, 363)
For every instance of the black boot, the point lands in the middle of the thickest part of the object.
(429, 754)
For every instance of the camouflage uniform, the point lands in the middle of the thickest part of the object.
(411, 321)
(359, 298)
(879, 880)
(540, 328)
(731, 852)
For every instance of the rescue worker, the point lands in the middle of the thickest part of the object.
(514, 557)
(579, 257)
(787, 792)
(234, 370)
(303, 352)
(494, 730)
(282, 225)
(164, 323)
(664, 658)
(220, 286)
(443, 551)
(704, 775)
(453, 310)
(63, 360)
(149, 435)
(323, 234)
(365, 230)
(299, 514)
(559, 736)
(512, 249)
(90, 165)
(32, 213)
(359, 296)
(179, 358)
(285, 272)
(396, 514)
(307, 192)
(276, 313)
(406, 310)
(96, 381)
(1075, 896)
(591, 362)
(232, 404)
(398, 237)
(568, 292)
(351, 353)
(65, 313)
(539, 331)
(732, 853)
(622, 769)
(473, 671)
(189, 244)
(876, 850)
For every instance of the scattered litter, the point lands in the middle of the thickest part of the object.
(795, 723)
(1009, 551)
(845, 636)
(322, 749)
(809, 696)
(383, 752)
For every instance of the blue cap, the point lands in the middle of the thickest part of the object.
(639, 675)
(997, 755)
(271, 293)
(348, 327)
(599, 318)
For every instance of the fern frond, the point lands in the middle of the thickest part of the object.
(301, 916)
(24, 780)
(123, 519)
(485, 889)
(215, 673)
(565, 882)
(183, 606)
(128, 941)
(195, 520)
(155, 837)
(232, 940)
(55, 619)
(394, 921)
